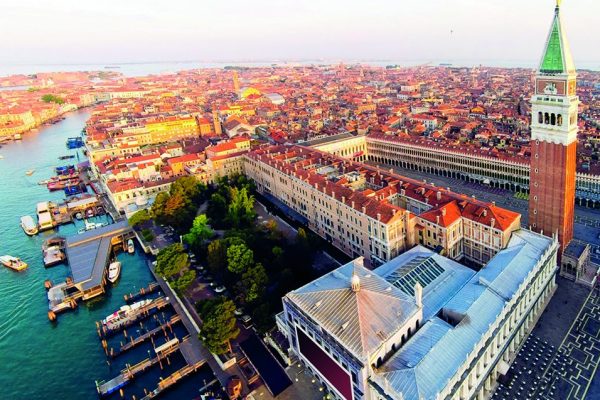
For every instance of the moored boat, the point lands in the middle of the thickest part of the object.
(114, 271)
(29, 172)
(13, 263)
(124, 315)
(29, 225)
(62, 184)
(130, 246)
(88, 226)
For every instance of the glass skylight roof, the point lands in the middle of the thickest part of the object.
(420, 269)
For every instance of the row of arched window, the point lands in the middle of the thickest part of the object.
(550, 119)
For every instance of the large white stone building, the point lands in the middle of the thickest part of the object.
(420, 326)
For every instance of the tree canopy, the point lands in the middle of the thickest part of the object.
(178, 207)
(239, 258)
(184, 281)
(240, 211)
(218, 324)
(217, 256)
(171, 260)
(254, 282)
(50, 98)
(199, 232)
(140, 217)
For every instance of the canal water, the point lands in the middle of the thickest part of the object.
(62, 360)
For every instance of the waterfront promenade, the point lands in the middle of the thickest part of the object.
(192, 323)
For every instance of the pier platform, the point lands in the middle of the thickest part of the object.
(130, 372)
(89, 253)
(142, 313)
(133, 342)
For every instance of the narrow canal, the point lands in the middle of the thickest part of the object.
(39, 359)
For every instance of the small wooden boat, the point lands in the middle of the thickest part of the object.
(114, 271)
(30, 172)
(13, 263)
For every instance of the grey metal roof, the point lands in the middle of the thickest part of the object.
(88, 253)
(360, 320)
(440, 277)
(423, 367)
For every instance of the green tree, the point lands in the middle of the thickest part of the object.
(241, 208)
(262, 317)
(239, 258)
(217, 256)
(182, 283)
(50, 98)
(171, 260)
(217, 208)
(254, 281)
(147, 235)
(158, 206)
(189, 187)
(199, 233)
(140, 217)
(218, 324)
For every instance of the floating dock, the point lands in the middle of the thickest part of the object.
(176, 377)
(50, 214)
(133, 342)
(133, 297)
(142, 313)
(130, 372)
(53, 251)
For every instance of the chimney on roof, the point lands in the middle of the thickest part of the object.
(493, 222)
(364, 209)
(437, 219)
(352, 203)
(419, 294)
(344, 199)
(444, 212)
(378, 216)
(485, 213)
(439, 195)
(493, 203)
(355, 283)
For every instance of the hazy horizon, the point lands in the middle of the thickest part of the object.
(70, 32)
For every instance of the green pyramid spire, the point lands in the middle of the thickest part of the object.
(553, 56)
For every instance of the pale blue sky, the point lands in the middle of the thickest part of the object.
(110, 31)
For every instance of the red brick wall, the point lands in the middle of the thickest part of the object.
(554, 195)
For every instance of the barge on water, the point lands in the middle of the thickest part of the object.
(53, 251)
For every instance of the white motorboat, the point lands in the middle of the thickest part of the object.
(114, 271)
(89, 226)
(130, 246)
(124, 315)
(29, 225)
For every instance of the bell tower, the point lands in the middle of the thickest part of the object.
(554, 138)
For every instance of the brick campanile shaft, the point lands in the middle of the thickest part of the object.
(554, 139)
